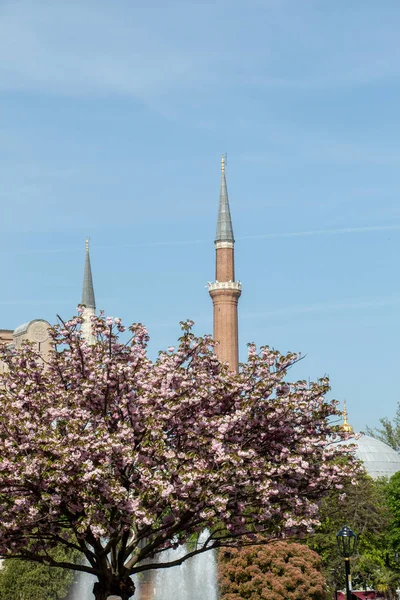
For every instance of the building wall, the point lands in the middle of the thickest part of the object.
(6, 336)
(36, 331)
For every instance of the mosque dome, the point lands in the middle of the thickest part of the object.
(380, 460)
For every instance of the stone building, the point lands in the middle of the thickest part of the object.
(36, 331)
(6, 336)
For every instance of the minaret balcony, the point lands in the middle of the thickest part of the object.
(225, 285)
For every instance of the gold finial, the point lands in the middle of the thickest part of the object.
(87, 244)
(346, 426)
(223, 163)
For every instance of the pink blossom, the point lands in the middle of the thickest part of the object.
(128, 455)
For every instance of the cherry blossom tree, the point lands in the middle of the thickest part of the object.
(107, 452)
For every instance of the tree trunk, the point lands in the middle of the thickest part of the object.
(124, 588)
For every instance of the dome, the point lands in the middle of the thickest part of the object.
(21, 329)
(380, 460)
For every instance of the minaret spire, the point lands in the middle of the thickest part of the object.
(87, 288)
(224, 223)
(88, 299)
(225, 291)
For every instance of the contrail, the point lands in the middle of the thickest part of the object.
(317, 232)
(270, 235)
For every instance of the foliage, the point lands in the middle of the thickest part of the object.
(393, 500)
(21, 580)
(121, 458)
(386, 582)
(389, 433)
(364, 508)
(277, 571)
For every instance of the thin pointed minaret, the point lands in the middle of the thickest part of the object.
(88, 298)
(225, 291)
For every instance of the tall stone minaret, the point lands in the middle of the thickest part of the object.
(88, 299)
(225, 292)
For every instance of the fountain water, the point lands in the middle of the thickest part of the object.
(82, 588)
(195, 579)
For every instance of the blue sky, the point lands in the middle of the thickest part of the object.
(113, 118)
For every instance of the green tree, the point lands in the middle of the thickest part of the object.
(393, 500)
(389, 433)
(21, 580)
(386, 582)
(365, 509)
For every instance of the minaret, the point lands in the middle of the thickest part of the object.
(225, 292)
(88, 299)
